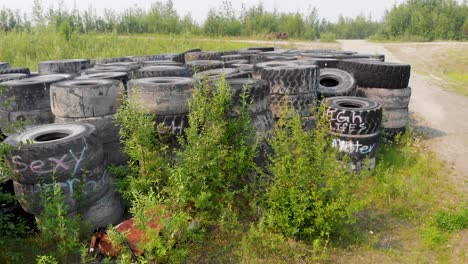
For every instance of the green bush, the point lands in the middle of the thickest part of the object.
(327, 37)
(310, 193)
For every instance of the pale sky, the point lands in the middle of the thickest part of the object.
(328, 9)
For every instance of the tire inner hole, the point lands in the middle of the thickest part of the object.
(329, 82)
(349, 105)
(51, 136)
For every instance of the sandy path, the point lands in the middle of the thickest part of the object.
(441, 115)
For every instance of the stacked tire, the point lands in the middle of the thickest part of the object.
(386, 83)
(93, 101)
(27, 100)
(166, 98)
(291, 84)
(71, 156)
(354, 125)
(73, 66)
(335, 82)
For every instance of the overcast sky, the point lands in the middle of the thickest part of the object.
(329, 9)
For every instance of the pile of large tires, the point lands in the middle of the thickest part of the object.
(364, 98)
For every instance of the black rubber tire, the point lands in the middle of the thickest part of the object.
(107, 69)
(45, 151)
(357, 147)
(33, 117)
(388, 98)
(247, 52)
(16, 70)
(308, 123)
(30, 93)
(376, 74)
(323, 62)
(85, 98)
(236, 62)
(227, 58)
(301, 103)
(243, 66)
(241, 75)
(291, 79)
(160, 63)
(107, 130)
(203, 65)
(132, 66)
(263, 125)
(335, 82)
(162, 71)
(157, 57)
(109, 210)
(4, 65)
(213, 75)
(319, 51)
(202, 55)
(73, 66)
(353, 115)
(181, 57)
(229, 52)
(259, 67)
(395, 118)
(12, 76)
(263, 49)
(29, 195)
(258, 94)
(162, 96)
(113, 154)
(112, 60)
(175, 123)
(259, 58)
(123, 77)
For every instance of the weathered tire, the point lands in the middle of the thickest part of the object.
(263, 49)
(175, 123)
(308, 123)
(357, 147)
(132, 66)
(258, 93)
(162, 95)
(93, 189)
(259, 67)
(294, 79)
(378, 74)
(353, 115)
(181, 57)
(12, 76)
(119, 76)
(321, 62)
(15, 70)
(243, 66)
(227, 58)
(113, 154)
(259, 58)
(108, 210)
(202, 55)
(203, 65)
(107, 69)
(33, 117)
(157, 57)
(73, 66)
(162, 71)
(395, 118)
(30, 93)
(388, 98)
(65, 151)
(85, 98)
(160, 63)
(263, 124)
(335, 82)
(213, 75)
(107, 130)
(4, 65)
(301, 103)
(112, 60)
(236, 62)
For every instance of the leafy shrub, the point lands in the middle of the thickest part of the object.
(452, 221)
(310, 193)
(327, 37)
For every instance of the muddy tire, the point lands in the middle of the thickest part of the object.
(376, 74)
(388, 98)
(85, 98)
(12, 76)
(73, 66)
(395, 118)
(30, 93)
(23, 70)
(63, 150)
(301, 103)
(107, 129)
(202, 55)
(162, 96)
(162, 71)
(353, 115)
(335, 82)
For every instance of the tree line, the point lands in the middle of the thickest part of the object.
(427, 19)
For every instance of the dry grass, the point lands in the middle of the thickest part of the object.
(445, 62)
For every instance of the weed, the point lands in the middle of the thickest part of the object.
(452, 221)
